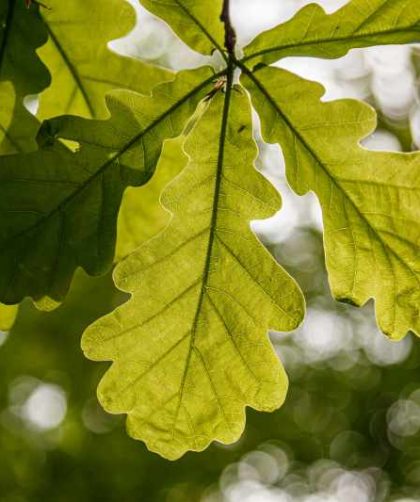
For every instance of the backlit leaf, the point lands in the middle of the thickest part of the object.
(190, 348)
(82, 70)
(360, 23)
(370, 200)
(141, 214)
(21, 73)
(58, 208)
(18, 127)
(196, 22)
(21, 33)
(8, 315)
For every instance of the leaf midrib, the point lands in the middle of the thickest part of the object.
(289, 124)
(347, 38)
(212, 233)
(72, 69)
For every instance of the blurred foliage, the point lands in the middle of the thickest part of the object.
(341, 415)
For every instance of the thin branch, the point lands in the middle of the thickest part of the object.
(230, 34)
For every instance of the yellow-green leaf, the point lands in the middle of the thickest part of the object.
(21, 73)
(58, 208)
(83, 69)
(190, 348)
(8, 315)
(360, 23)
(18, 127)
(370, 200)
(196, 22)
(21, 33)
(141, 215)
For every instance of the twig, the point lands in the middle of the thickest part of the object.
(230, 35)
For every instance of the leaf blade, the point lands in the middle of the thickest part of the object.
(363, 194)
(81, 78)
(8, 315)
(141, 215)
(21, 73)
(67, 215)
(357, 24)
(196, 22)
(193, 352)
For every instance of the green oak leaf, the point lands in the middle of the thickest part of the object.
(58, 208)
(196, 22)
(21, 73)
(21, 33)
(141, 215)
(83, 72)
(190, 348)
(8, 315)
(370, 200)
(360, 23)
(18, 127)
